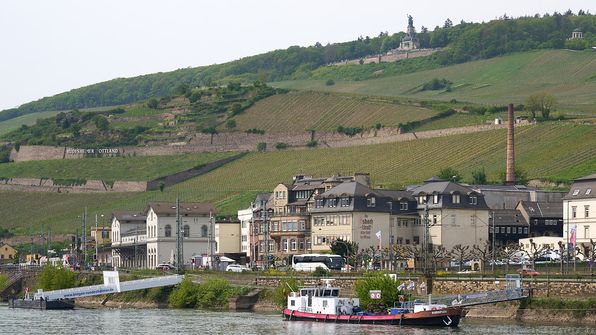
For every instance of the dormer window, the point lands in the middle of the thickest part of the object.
(435, 198)
(422, 199)
(332, 202)
(588, 191)
(370, 202)
(319, 203)
(576, 192)
(473, 200)
(455, 198)
(344, 201)
(403, 205)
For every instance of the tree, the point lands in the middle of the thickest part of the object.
(152, 103)
(330, 82)
(521, 177)
(542, 102)
(101, 122)
(483, 252)
(479, 177)
(438, 254)
(181, 89)
(535, 251)
(460, 253)
(377, 281)
(448, 23)
(210, 130)
(507, 252)
(231, 124)
(345, 249)
(450, 174)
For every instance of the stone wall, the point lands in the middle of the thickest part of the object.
(237, 141)
(542, 288)
(91, 186)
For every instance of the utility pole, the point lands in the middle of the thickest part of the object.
(179, 239)
(85, 237)
(211, 241)
(96, 242)
(494, 232)
(264, 216)
(391, 237)
(135, 244)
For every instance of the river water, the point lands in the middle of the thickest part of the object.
(170, 321)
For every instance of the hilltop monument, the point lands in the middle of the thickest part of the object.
(410, 41)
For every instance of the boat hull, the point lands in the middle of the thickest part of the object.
(41, 304)
(446, 317)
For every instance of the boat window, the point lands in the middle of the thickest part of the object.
(292, 302)
(327, 293)
(324, 303)
(335, 293)
(303, 293)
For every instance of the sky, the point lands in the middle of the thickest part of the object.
(49, 47)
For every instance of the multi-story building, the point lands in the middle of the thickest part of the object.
(227, 236)
(456, 214)
(7, 253)
(510, 226)
(544, 218)
(129, 239)
(579, 213)
(196, 219)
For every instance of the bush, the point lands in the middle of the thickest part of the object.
(281, 146)
(56, 278)
(214, 293)
(261, 147)
(255, 131)
(330, 82)
(152, 103)
(376, 281)
(321, 272)
(312, 144)
(280, 295)
(185, 295)
(231, 124)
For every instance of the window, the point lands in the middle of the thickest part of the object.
(345, 202)
(508, 230)
(588, 191)
(284, 244)
(455, 198)
(573, 212)
(403, 206)
(520, 230)
(204, 231)
(168, 231)
(576, 192)
(525, 230)
(416, 240)
(586, 211)
(301, 244)
(293, 244)
(319, 203)
(422, 199)
(370, 202)
(434, 218)
(244, 238)
(186, 229)
(400, 241)
(407, 241)
(435, 199)
(473, 200)
(332, 202)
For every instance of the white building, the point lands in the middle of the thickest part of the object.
(245, 217)
(129, 239)
(161, 231)
(579, 213)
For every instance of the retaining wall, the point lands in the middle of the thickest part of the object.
(91, 186)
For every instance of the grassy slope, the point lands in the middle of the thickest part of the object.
(29, 119)
(542, 151)
(297, 111)
(138, 168)
(569, 75)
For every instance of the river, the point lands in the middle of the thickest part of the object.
(170, 321)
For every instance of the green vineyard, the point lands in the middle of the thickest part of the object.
(297, 111)
(552, 151)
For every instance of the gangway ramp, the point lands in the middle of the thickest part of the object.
(111, 284)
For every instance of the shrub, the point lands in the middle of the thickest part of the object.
(255, 131)
(311, 144)
(280, 295)
(261, 147)
(330, 82)
(56, 278)
(321, 272)
(152, 103)
(214, 293)
(231, 124)
(281, 146)
(185, 295)
(376, 281)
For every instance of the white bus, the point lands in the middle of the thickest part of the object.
(310, 262)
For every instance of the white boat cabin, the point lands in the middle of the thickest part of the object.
(321, 300)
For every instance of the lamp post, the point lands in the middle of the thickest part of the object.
(391, 237)
(96, 240)
(493, 240)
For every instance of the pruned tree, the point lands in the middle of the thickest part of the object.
(414, 252)
(507, 252)
(535, 251)
(461, 253)
(588, 250)
(482, 252)
(438, 254)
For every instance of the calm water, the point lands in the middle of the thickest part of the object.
(154, 321)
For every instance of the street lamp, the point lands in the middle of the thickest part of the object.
(391, 237)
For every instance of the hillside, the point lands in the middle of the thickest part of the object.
(556, 151)
(297, 111)
(461, 43)
(569, 75)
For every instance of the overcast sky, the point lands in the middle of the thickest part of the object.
(48, 47)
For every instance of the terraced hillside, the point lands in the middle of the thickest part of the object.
(138, 168)
(552, 151)
(569, 75)
(297, 111)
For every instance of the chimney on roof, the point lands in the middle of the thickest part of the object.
(510, 177)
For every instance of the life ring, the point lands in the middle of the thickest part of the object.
(401, 299)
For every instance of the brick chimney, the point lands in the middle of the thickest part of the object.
(510, 177)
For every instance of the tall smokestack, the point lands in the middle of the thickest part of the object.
(510, 179)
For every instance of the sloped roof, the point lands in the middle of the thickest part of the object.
(441, 187)
(352, 189)
(129, 216)
(582, 188)
(542, 209)
(396, 194)
(186, 208)
(508, 217)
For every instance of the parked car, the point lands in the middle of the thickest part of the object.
(527, 272)
(165, 267)
(236, 268)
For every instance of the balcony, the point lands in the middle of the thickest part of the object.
(134, 239)
(289, 233)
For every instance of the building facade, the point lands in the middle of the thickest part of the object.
(579, 214)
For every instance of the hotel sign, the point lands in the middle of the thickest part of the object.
(101, 151)
(366, 227)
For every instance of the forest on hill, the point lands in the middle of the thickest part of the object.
(459, 42)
